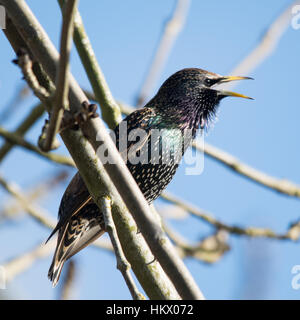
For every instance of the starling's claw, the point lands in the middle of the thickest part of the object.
(68, 121)
(88, 111)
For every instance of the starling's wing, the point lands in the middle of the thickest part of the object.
(79, 224)
(133, 147)
(138, 133)
(80, 221)
(74, 199)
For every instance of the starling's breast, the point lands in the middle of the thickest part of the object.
(152, 179)
(153, 149)
(156, 161)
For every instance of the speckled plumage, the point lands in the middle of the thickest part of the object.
(184, 102)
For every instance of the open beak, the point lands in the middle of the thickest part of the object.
(230, 93)
(232, 78)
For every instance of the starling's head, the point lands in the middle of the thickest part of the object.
(191, 96)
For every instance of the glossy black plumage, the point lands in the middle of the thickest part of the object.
(185, 102)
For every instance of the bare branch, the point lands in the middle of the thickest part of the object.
(169, 34)
(25, 63)
(122, 264)
(110, 110)
(293, 232)
(37, 213)
(23, 92)
(62, 82)
(210, 249)
(266, 46)
(12, 208)
(20, 264)
(24, 126)
(280, 185)
(15, 139)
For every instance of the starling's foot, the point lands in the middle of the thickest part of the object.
(87, 111)
(68, 121)
(72, 121)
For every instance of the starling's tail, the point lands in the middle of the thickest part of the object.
(59, 257)
(55, 271)
(73, 237)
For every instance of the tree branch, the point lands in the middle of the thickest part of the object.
(266, 45)
(169, 34)
(17, 99)
(20, 264)
(280, 185)
(25, 63)
(208, 250)
(23, 127)
(15, 139)
(111, 113)
(62, 83)
(293, 232)
(37, 213)
(122, 264)
(12, 209)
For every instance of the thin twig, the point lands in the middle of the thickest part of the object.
(280, 185)
(209, 249)
(21, 263)
(169, 34)
(293, 233)
(25, 63)
(33, 210)
(15, 139)
(35, 113)
(10, 109)
(122, 264)
(12, 208)
(266, 45)
(62, 81)
(110, 110)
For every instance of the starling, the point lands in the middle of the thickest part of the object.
(187, 101)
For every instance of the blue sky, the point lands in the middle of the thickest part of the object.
(263, 133)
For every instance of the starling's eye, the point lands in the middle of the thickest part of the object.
(209, 82)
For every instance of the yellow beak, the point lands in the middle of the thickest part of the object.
(230, 93)
(233, 78)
